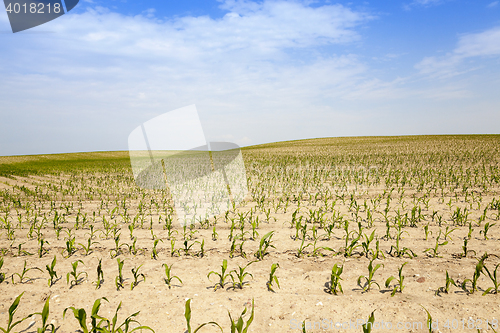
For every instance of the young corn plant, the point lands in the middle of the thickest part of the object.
(369, 280)
(222, 276)
(426, 230)
(21, 252)
(100, 275)
(475, 277)
(70, 248)
(239, 280)
(45, 316)
(377, 252)
(493, 278)
(368, 326)
(52, 272)
(119, 280)
(81, 316)
(366, 243)
(76, 276)
(485, 230)
(466, 250)
(265, 244)
(41, 250)
(168, 279)
(22, 276)
(429, 320)
(399, 285)
(398, 251)
(449, 282)
(273, 278)
(118, 246)
(302, 247)
(110, 326)
(154, 252)
(335, 286)
(187, 315)
(88, 248)
(2, 275)
(434, 249)
(12, 311)
(237, 326)
(137, 275)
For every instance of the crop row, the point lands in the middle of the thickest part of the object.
(101, 324)
(240, 275)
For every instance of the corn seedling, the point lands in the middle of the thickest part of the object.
(41, 250)
(215, 235)
(2, 275)
(76, 276)
(70, 248)
(222, 276)
(466, 250)
(316, 250)
(173, 251)
(119, 279)
(369, 280)
(240, 274)
(335, 278)
(22, 276)
(449, 282)
(154, 252)
(475, 277)
(88, 248)
(45, 316)
(398, 251)
(399, 286)
(302, 247)
(132, 249)
(188, 247)
(429, 320)
(493, 278)
(12, 312)
(168, 279)
(100, 275)
(264, 245)
(52, 272)
(237, 326)
(469, 234)
(21, 252)
(434, 249)
(187, 315)
(117, 250)
(137, 275)
(366, 243)
(377, 252)
(273, 278)
(367, 327)
(201, 253)
(485, 230)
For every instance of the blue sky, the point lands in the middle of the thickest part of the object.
(258, 71)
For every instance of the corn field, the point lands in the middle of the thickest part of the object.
(331, 231)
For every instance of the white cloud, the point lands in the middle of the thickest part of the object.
(422, 3)
(483, 44)
(493, 4)
(257, 62)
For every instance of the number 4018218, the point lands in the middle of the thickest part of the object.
(470, 324)
(34, 8)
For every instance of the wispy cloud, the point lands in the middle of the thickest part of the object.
(493, 4)
(422, 3)
(482, 44)
(259, 59)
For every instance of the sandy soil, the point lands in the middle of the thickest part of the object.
(303, 281)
